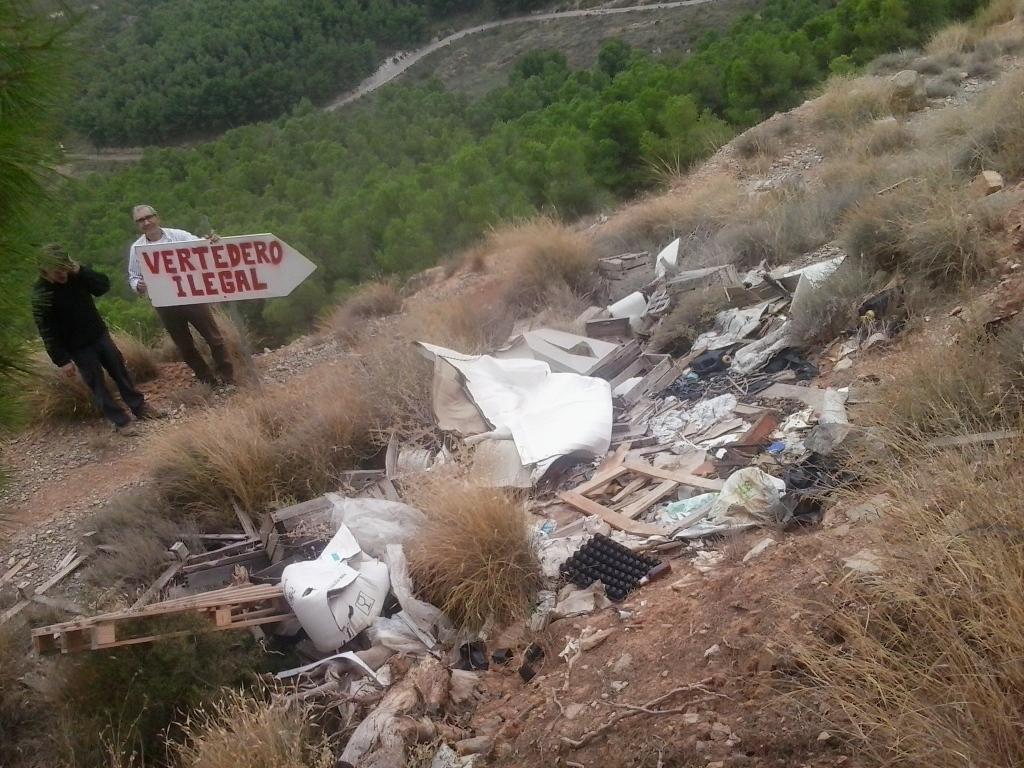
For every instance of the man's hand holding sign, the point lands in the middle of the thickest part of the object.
(221, 269)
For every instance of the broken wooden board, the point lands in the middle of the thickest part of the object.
(220, 610)
(619, 267)
(616, 362)
(614, 519)
(22, 604)
(607, 327)
(13, 570)
(980, 438)
(314, 509)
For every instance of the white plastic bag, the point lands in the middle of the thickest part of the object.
(375, 523)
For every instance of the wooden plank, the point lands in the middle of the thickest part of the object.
(245, 520)
(614, 519)
(230, 549)
(244, 557)
(758, 434)
(660, 491)
(313, 506)
(607, 327)
(13, 570)
(649, 381)
(157, 586)
(680, 477)
(66, 560)
(631, 487)
(600, 479)
(980, 438)
(616, 361)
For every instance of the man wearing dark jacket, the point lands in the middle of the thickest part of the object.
(77, 338)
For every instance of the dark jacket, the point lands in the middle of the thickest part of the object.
(66, 314)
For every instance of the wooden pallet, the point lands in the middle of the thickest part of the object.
(628, 488)
(222, 609)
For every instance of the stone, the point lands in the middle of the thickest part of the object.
(758, 548)
(868, 510)
(908, 91)
(987, 183)
(572, 711)
(864, 561)
(691, 718)
(714, 650)
(619, 685)
(843, 365)
(624, 662)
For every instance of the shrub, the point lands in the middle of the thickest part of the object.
(832, 307)
(891, 63)
(474, 557)
(652, 223)
(884, 137)
(372, 299)
(51, 396)
(923, 228)
(125, 700)
(539, 254)
(280, 444)
(953, 38)
(942, 87)
(995, 139)
(849, 102)
(922, 667)
(270, 735)
(140, 528)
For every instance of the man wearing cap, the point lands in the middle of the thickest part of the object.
(76, 337)
(178, 319)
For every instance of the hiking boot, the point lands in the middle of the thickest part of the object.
(150, 413)
(126, 430)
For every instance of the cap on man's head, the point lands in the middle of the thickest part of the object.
(53, 256)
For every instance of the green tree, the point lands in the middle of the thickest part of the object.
(32, 53)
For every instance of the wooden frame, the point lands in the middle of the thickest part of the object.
(633, 486)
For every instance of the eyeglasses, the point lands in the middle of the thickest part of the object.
(145, 218)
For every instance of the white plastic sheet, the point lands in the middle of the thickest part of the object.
(547, 414)
(731, 326)
(375, 523)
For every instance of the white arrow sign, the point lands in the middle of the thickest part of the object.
(231, 269)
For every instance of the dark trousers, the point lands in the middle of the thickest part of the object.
(177, 321)
(102, 355)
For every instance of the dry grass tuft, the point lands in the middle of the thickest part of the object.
(943, 86)
(692, 314)
(995, 138)
(51, 396)
(692, 214)
(539, 254)
(474, 557)
(766, 141)
(884, 137)
(954, 38)
(373, 299)
(848, 103)
(972, 384)
(997, 12)
(925, 229)
(920, 665)
(278, 734)
(285, 443)
(140, 529)
(141, 359)
(20, 714)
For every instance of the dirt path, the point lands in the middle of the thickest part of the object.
(400, 62)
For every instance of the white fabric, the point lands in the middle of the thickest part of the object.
(731, 326)
(548, 414)
(564, 352)
(167, 235)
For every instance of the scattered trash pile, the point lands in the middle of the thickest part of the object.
(632, 460)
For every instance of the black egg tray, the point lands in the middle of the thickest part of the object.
(609, 562)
